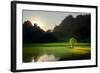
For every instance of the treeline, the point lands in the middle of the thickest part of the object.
(34, 34)
(79, 27)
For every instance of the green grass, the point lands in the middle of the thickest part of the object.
(60, 50)
(54, 44)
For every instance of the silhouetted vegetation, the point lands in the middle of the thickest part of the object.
(78, 27)
(34, 34)
(56, 43)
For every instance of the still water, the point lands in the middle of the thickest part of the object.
(45, 58)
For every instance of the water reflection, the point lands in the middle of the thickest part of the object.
(45, 58)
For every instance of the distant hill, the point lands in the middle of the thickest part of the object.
(79, 27)
(34, 34)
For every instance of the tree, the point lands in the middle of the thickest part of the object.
(27, 24)
(78, 27)
(35, 34)
(72, 42)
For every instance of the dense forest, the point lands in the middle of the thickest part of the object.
(78, 27)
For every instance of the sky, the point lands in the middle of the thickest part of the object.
(46, 19)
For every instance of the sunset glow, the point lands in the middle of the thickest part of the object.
(44, 19)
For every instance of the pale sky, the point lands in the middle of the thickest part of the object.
(46, 19)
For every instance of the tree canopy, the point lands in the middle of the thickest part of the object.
(78, 27)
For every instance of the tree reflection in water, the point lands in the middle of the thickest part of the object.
(45, 58)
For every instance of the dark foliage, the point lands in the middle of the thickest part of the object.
(34, 34)
(79, 27)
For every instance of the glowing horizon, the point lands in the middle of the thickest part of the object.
(46, 20)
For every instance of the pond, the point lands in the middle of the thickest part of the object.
(45, 58)
(48, 53)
